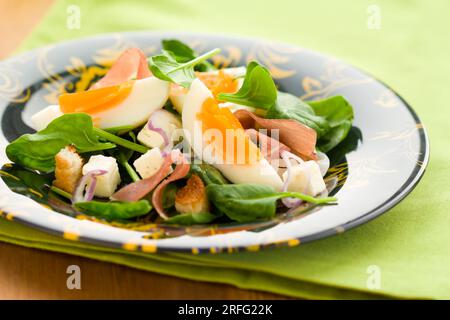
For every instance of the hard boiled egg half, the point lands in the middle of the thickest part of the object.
(235, 155)
(115, 100)
(129, 103)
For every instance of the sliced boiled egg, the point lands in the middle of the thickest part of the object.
(227, 80)
(41, 119)
(217, 137)
(129, 103)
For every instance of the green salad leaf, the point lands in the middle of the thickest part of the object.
(120, 130)
(339, 115)
(37, 151)
(183, 53)
(166, 67)
(188, 219)
(123, 155)
(249, 202)
(208, 174)
(258, 89)
(169, 194)
(114, 210)
(120, 141)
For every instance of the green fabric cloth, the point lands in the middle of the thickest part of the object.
(410, 244)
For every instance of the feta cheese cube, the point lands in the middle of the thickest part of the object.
(41, 119)
(108, 182)
(165, 121)
(306, 178)
(149, 163)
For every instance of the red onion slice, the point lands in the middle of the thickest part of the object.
(81, 186)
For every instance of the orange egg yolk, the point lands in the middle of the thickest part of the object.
(96, 100)
(234, 146)
(219, 83)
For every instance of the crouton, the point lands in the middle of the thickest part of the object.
(68, 169)
(192, 197)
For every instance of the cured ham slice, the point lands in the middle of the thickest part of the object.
(131, 63)
(298, 137)
(270, 148)
(181, 170)
(139, 189)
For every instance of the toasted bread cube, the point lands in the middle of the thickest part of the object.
(108, 182)
(41, 119)
(192, 197)
(306, 178)
(149, 163)
(68, 166)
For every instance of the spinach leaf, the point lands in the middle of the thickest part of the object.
(289, 106)
(339, 115)
(120, 130)
(123, 155)
(114, 210)
(37, 151)
(120, 141)
(188, 219)
(169, 194)
(208, 174)
(243, 202)
(258, 89)
(249, 202)
(166, 67)
(183, 53)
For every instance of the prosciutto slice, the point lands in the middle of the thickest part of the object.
(131, 62)
(181, 170)
(270, 148)
(298, 137)
(139, 189)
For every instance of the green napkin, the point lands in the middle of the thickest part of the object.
(410, 245)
